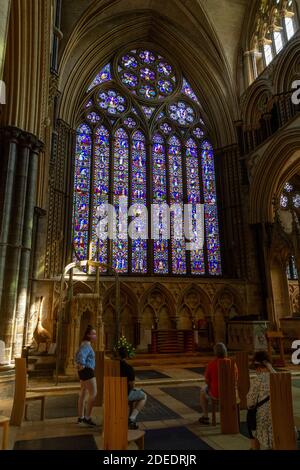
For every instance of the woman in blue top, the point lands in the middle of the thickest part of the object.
(85, 360)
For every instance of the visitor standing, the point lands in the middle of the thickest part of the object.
(85, 360)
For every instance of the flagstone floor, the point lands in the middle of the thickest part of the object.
(183, 413)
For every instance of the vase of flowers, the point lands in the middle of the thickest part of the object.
(123, 343)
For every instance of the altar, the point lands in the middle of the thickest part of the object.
(247, 335)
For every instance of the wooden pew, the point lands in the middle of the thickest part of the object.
(21, 396)
(242, 362)
(99, 373)
(4, 423)
(116, 435)
(104, 368)
(227, 397)
(276, 336)
(115, 419)
(284, 437)
(111, 368)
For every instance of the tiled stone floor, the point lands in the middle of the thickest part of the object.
(187, 417)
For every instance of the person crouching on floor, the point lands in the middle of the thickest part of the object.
(211, 391)
(136, 397)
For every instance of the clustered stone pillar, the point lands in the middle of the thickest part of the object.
(231, 211)
(296, 237)
(19, 152)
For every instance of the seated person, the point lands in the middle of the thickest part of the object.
(211, 391)
(136, 397)
(260, 432)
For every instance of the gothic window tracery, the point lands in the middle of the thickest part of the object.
(141, 136)
(275, 24)
(290, 201)
(291, 270)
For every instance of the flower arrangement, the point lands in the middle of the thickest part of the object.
(123, 343)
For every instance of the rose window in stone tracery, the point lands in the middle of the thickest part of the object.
(141, 135)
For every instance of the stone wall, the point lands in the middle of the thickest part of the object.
(156, 303)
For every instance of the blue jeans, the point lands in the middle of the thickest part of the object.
(136, 394)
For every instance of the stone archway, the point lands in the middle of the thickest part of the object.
(128, 316)
(147, 320)
(185, 319)
(227, 303)
(162, 304)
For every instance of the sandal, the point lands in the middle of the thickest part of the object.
(203, 420)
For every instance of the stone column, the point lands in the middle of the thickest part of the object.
(4, 19)
(250, 68)
(26, 249)
(13, 252)
(230, 211)
(260, 247)
(18, 194)
(8, 146)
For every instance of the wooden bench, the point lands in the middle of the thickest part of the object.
(281, 402)
(99, 374)
(116, 435)
(242, 362)
(111, 368)
(137, 436)
(21, 396)
(115, 419)
(276, 336)
(4, 423)
(227, 397)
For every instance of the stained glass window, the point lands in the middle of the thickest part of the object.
(142, 147)
(187, 90)
(291, 270)
(211, 212)
(194, 199)
(93, 117)
(120, 199)
(160, 199)
(176, 200)
(100, 191)
(290, 197)
(81, 200)
(139, 201)
(147, 74)
(182, 113)
(112, 102)
(102, 77)
(148, 111)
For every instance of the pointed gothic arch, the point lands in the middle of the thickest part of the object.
(142, 142)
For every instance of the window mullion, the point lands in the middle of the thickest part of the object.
(202, 201)
(91, 200)
(150, 251)
(170, 267)
(111, 193)
(130, 143)
(185, 201)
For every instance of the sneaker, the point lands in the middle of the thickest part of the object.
(89, 422)
(203, 420)
(132, 425)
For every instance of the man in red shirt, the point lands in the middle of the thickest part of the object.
(211, 391)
